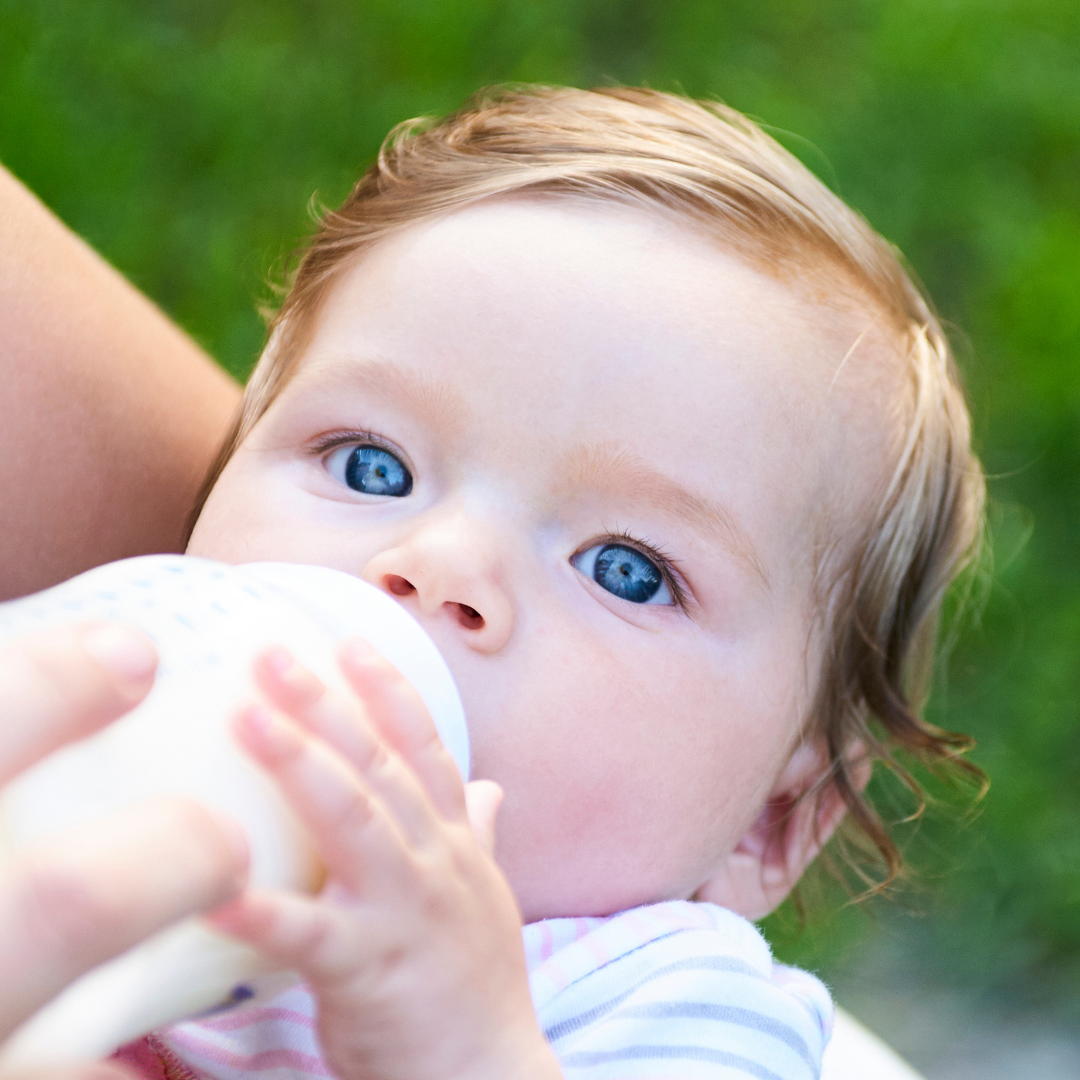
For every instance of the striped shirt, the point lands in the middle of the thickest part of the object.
(677, 990)
(674, 990)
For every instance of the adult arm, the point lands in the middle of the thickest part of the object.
(109, 414)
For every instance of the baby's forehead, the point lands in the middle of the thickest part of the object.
(582, 270)
(591, 324)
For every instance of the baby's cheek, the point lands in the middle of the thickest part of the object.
(621, 775)
(251, 516)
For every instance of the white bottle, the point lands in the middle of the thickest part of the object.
(209, 621)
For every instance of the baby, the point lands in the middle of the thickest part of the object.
(663, 448)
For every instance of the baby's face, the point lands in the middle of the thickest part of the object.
(588, 450)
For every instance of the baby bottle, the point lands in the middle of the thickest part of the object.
(208, 621)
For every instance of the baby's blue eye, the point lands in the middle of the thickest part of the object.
(624, 572)
(371, 470)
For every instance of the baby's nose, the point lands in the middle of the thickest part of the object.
(448, 579)
(466, 615)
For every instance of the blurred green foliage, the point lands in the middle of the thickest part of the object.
(184, 139)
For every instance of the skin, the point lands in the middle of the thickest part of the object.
(553, 375)
(531, 361)
(92, 374)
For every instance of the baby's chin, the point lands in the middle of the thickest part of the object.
(551, 877)
(540, 896)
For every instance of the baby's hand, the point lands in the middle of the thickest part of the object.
(413, 950)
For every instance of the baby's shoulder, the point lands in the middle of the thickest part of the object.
(685, 981)
(563, 950)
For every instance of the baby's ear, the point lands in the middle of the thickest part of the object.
(794, 825)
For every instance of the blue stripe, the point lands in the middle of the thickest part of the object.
(693, 963)
(728, 1014)
(587, 1058)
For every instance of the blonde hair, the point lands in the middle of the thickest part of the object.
(706, 162)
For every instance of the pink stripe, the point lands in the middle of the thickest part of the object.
(264, 1059)
(557, 975)
(265, 1014)
(599, 952)
(547, 941)
(683, 917)
(668, 919)
(640, 923)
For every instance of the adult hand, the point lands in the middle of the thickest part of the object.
(74, 902)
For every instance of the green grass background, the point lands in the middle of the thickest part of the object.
(184, 139)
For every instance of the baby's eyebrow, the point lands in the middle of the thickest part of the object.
(430, 398)
(621, 470)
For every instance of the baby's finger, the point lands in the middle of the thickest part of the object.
(402, 718)
(67, 683)
(342, 722)
(348, 821)
(300, 933)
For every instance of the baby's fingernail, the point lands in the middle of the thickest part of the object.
(358, 650)
(279, 660)
(126, 652)
(287, 673)
(255, 718)
(265, 735)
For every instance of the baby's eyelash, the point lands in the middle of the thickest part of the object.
(333, 439)
(667, 566)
